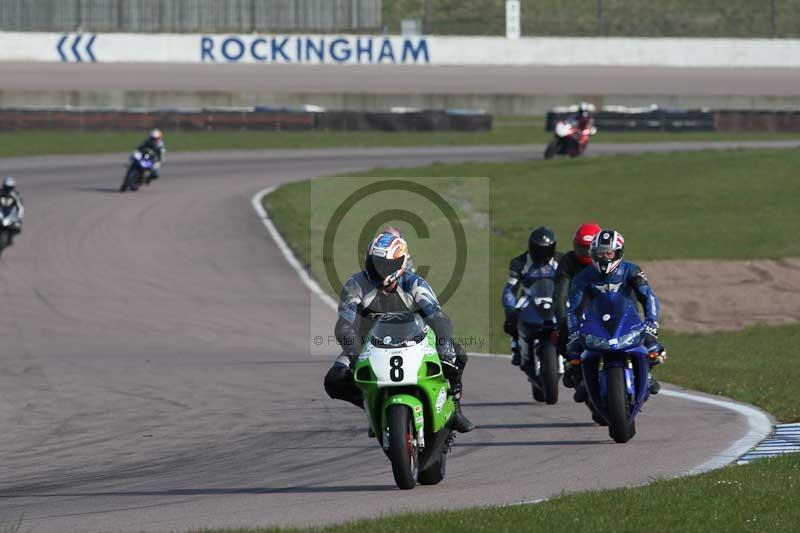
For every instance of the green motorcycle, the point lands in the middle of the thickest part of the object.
(406, 398)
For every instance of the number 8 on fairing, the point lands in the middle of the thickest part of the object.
(396, 373)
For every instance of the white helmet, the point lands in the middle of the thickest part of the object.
(9, 182)
(607, 250)
(156, 135)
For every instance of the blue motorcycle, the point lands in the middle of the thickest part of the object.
(616, 363)
(538, 339)
(140, 171)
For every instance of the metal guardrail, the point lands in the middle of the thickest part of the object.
(179, 16)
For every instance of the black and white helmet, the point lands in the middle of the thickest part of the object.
(607, 250)
(9, 183)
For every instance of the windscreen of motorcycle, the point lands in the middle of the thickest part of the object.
(614, 312)
(394, 330)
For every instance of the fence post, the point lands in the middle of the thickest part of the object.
(599, 17)
(772, 18)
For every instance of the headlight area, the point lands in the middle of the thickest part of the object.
(631, 339)
(593, 342)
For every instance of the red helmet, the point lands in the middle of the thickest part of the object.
(582, 239)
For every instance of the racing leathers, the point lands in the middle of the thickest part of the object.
(629, 279)
(568, 267)
(159, 149)
(522, 273)
(362, 302)
(11, 202)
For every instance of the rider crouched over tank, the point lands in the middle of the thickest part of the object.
(610, 274)
(386, 286)
(12, 210)
(155, 144)
(540, 260)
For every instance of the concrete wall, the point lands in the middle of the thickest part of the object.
(365, 49)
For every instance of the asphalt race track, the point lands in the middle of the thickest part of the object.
(393, 79)
(156, 371)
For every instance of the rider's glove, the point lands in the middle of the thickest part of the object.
(651, 328)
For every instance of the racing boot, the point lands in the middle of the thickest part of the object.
(340, 384)
(514, 353)
(655, 386)
(459, 422)
(581, 394)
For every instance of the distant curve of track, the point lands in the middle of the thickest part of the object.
(157, 370)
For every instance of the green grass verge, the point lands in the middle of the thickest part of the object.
(751, 366)
(728, 205)
(617, 18)
(761, 496)
(508, 130)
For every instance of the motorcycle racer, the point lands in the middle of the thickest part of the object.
(11, 198)
(540, 260)
(155, 144)
(583, 119)
(569, 266)
(610, 274)
(385, 286)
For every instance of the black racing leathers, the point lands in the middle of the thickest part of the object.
(568, 267)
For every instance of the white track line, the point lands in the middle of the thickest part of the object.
(759, 423)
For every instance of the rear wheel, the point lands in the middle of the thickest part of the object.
(549, 372)
(619, 428)
(434, 473)
(403, 451)
(551, 149)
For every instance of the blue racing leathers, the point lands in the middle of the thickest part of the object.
(627, 277)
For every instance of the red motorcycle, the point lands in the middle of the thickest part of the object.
(568, 139)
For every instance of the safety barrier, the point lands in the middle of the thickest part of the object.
(255, 118)
(643, 120)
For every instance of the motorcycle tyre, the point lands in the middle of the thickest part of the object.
(619, 428)
(549, 373)
(551, 150)
(405, 462)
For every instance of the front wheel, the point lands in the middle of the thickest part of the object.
(132, 179)
(403, 452)
(548, 374)
(551, 149)
(619, 428)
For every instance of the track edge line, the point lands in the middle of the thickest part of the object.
(760, 423)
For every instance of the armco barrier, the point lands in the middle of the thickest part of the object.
(651, 120)
(757, 120)
(240, 119)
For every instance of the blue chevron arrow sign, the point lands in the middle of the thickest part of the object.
(70, 47)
